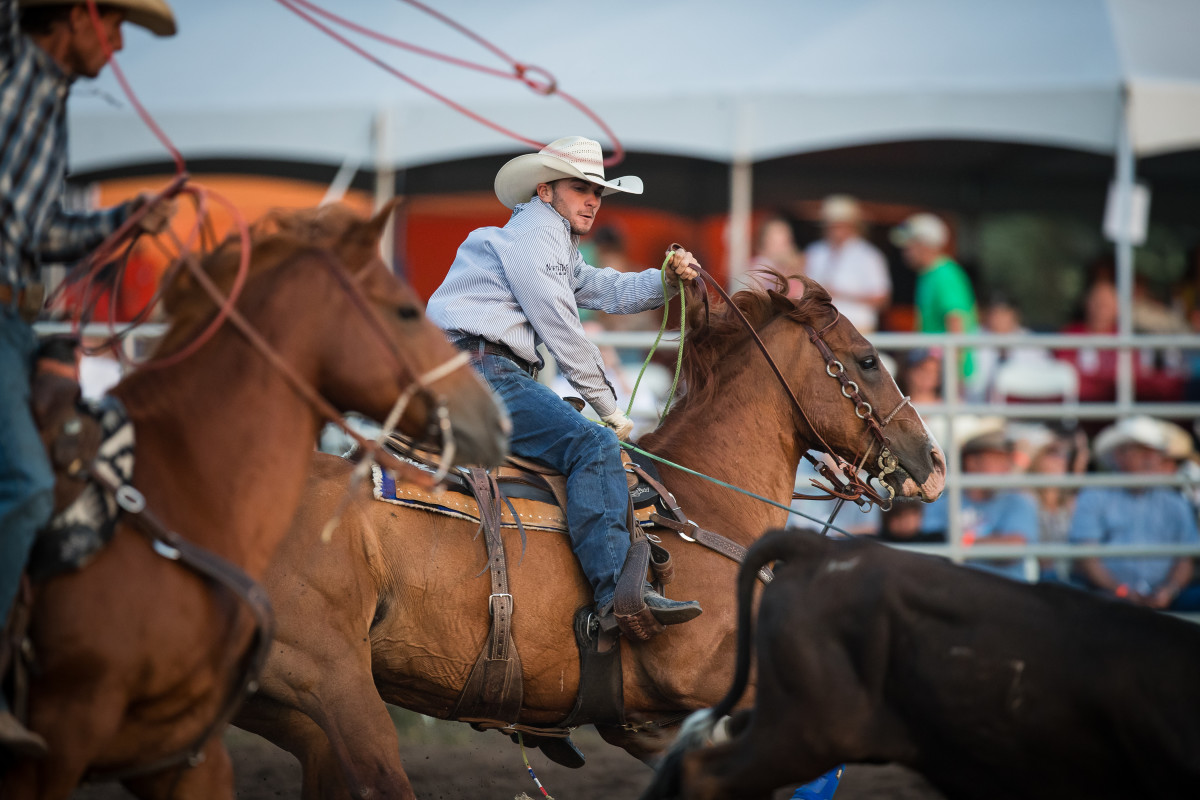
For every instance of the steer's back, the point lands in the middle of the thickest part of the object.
(990, 687)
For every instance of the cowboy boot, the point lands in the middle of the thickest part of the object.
(670, 612)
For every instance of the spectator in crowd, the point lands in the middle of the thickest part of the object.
(775, 249)
(1059, 455)
(1186, 298)
(607, 248)
(1181, 452)
(1154, 379)
(920, 377)
(1137, 516)
(989, 516)
(850, 268)
(945, 299)
(902, 524)
(1001, 316)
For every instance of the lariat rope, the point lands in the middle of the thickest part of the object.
(662, 329)
(536, 782)
(738, 489)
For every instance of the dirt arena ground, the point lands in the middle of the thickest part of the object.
(448, 761)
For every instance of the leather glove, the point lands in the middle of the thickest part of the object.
(621, 424)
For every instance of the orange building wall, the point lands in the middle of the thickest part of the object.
(429, 231)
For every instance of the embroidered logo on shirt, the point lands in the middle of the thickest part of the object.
(557, 269)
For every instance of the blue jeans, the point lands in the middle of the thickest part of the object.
(546, 429)
(26, 479)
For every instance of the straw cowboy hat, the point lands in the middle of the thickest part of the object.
(153, 15)
(840, 208)
(568, 157)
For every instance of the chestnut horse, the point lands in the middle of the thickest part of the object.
(136, 655)
(398, 606)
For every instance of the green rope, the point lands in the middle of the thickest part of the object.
(826, 524)
(737, 489)
(661, 329)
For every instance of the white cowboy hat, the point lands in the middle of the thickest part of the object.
(981, 434)
(153, 15)
(568, 157)
(1141, 430)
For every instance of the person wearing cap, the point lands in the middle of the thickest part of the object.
(44, 47)
(945, 300)
(512, 288)
(1137, 516)
(989, 516)
(850, 268)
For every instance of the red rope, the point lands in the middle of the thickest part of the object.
(546, 84)
(88, 272)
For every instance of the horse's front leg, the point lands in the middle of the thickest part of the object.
(211, 778)
(75, 723)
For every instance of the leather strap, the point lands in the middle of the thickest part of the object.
(494, 689)
(478, 344)
(172, 546)
(27, 300)
(713, 541)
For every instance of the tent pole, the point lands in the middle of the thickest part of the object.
(1125, 177)
(741, 191)
(385, 179)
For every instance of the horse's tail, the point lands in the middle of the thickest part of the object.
(698, 729)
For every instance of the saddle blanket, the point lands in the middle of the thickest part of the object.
(80, 531)
(457, 503)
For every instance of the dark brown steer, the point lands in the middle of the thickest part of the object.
(988, 687)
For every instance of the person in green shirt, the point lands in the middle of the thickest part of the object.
(945, 300)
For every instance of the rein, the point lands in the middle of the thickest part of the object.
(850, 486)
(371, 447)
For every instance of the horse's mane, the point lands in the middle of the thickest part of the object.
(275, 238)
(713, 329)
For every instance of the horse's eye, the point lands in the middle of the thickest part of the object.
(407, 312)
(870, 362)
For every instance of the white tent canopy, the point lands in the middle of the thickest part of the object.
(730, 82)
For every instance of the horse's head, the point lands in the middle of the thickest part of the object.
(849, 404)
(372, 342)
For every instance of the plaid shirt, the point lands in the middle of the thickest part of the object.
(33, 161)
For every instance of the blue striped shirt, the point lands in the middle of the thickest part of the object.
(523, 284)
(1123, 516)
(33, 161)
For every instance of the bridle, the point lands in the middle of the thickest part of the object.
(422, 383)
(849, 486)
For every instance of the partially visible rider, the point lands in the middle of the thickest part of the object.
(513, 288)
(45, 45)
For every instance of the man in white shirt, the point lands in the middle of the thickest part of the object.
(850, 268)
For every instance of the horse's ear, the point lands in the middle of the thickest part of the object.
(381, 219)
(782, 302)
